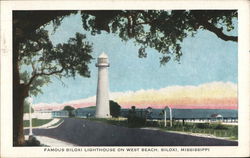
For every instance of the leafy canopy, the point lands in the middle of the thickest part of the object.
(68, 108)
(39, 59)
(161, 30)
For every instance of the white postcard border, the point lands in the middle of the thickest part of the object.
(6, 74)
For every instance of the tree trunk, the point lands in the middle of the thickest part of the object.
(18, 104)
(20, 92)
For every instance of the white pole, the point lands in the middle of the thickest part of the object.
(165, 118)
(170, 115)
(30, 116)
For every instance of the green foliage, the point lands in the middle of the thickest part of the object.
(149, 112)
(135, 120)
(216, 129)
(39, 59)
(112, 121)
(132, 109)
(73, 56)
(162, 30)
(115, 108)
(202, 125)
(69, 109)
(218, 126)
(230, 132)
(32, 141)
(26, 107)
(37, 83)
(205, 125)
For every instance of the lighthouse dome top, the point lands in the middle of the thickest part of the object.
(102, 60)
(103, 55)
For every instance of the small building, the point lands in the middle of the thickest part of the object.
(216, 117)
(61, 113)
(84, 112)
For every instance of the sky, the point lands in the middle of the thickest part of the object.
(206, 59)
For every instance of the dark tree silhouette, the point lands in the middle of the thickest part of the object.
(69, 109)
(115, 108)
(149, 112)
(136, 118)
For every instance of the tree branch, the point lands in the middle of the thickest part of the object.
(43, 74)
(203, 21)
(218, 31)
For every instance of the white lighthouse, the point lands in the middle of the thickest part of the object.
(102, 94)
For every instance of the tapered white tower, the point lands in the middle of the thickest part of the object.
(102, 94)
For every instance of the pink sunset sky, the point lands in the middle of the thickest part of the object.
(214, 95)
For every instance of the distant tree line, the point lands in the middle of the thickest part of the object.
(70, 109)
(115, 109)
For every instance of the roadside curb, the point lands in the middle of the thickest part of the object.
(56, 125)
(48, 125)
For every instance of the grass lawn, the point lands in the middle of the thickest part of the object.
(112, 121)
(219, 130)
(216, 129)
(36, 122)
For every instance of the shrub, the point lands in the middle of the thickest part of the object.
(135, 121)
(219, 126)
(32, 141)
(70, 109)
(202, 125)
(115, 108)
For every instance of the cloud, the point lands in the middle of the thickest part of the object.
(209, 95)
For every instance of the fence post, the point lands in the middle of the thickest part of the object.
(165, 118)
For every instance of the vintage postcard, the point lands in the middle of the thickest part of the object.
(125, 78)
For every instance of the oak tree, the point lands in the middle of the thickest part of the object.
(38, 60)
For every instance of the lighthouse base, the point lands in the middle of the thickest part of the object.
(103, 116)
